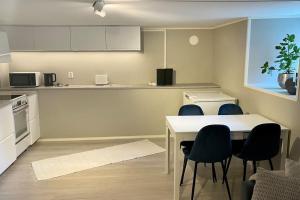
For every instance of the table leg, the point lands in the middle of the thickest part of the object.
(284, 149)
(167, 146)
(176, 167)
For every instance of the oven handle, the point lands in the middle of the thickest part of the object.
(20, 109)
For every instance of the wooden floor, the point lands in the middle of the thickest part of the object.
(139, 179)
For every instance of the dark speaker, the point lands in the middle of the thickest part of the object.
(160, 76)
(169, 76)
(164, 76)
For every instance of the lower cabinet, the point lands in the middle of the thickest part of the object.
(7, 152)
(34, 118)
(34, 127)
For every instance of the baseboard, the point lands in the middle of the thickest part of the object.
(101, 138)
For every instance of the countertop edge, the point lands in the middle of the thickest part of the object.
(116, 87)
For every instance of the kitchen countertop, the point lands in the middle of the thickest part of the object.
(118, 86)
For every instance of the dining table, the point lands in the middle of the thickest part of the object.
(182, 128)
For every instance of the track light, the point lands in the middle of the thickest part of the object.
(98, 8)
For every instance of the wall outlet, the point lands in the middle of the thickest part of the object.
(70, 75)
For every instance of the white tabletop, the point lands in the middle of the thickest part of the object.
(236, 123)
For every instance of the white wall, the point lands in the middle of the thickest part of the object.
(229, 57)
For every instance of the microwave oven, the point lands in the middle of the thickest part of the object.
(24, 79)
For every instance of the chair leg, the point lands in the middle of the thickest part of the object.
(254, 166)
(245, 169)
(227, 166)
(183, 169)
(271, 164)
(214, 176)
(194, 180)
(225, 179)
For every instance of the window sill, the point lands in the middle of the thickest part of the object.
(278, 92)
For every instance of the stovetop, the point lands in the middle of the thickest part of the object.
(9, 97)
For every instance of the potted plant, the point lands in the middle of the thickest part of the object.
(289, 52)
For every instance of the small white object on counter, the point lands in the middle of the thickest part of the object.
(101, 79)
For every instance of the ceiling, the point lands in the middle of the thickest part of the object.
(147, 13)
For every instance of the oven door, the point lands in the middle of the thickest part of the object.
(21, 123)
(22, 79)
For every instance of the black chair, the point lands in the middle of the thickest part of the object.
(263, 143)
(232, 109)
(212, 145)
(188, 110)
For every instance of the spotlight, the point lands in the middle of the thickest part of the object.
(98, 8)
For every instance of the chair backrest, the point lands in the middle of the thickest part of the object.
(262, 143)
(230, 109)
(212, 144)
(190, 109)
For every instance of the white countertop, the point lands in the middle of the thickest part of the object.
(119, 86)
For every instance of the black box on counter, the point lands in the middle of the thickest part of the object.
(164, 76)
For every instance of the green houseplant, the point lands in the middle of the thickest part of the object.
(289, 52)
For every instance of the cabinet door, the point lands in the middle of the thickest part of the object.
(4, 47)
(20, 38)
(34, 127)
(7, 126)
(123, 38)
(88, 38)
(7, 152)
(33, 106)
(52, 38)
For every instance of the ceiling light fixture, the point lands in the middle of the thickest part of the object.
(99, 8)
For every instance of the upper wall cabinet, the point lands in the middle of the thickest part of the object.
(88, 38)
(74, 38)
(4, 47)
(123, 38)
(20, 38)
(51, 38)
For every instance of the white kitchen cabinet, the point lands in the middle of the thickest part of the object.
(20, 38)
(123, 38)
(7, 138)
(34, 118)
(7, 125)
(209, 101)
(34, 127)
(51, 38)
(88, 38)
(4, 47)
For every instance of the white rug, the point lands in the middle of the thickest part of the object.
(63, 165)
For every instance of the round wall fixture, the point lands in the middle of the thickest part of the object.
(194, 40)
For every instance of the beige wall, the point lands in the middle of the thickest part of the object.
(98, 113)
(192, 63)
(229, 57)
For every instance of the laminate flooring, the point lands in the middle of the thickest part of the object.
(139, 179)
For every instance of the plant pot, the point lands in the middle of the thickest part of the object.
(282, 78)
